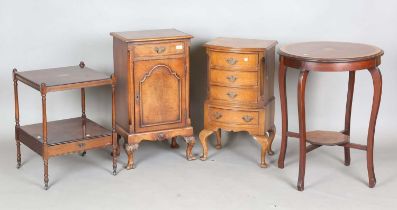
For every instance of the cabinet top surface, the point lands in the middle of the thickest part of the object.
(237, 43)
(150, 35)
(330, 51)
(62, 76)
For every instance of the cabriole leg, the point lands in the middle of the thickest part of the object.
(377, 83)
(203, 139)
(190, 141)
(130, 149)
(264, 141)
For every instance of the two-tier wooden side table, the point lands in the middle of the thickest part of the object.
(328, 57)
(61, 137)
(240, 94)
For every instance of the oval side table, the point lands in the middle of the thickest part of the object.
(328, 57)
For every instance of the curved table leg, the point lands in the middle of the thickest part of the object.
(264, 141)
(272, 134)
(302, 128)
(377, 82)
(203, 139)
(218, 139)
(348, 114)
(284, 111)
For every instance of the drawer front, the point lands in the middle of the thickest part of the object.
(159, 49)
(234, 78)
(83, 145)
(242, 95)
(229, 116)
(234, 60)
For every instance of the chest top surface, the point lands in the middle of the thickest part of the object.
(242, 44)
(330, 51)
(150, 35)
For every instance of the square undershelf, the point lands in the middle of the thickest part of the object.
(66, 136)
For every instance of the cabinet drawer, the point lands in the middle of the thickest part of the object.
(159, 49)
(242, 95)
(229, 116)
(234, 78)
(243, 61)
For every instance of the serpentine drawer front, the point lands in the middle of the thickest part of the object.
(240, 91)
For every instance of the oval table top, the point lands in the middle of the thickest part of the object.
(330, 52)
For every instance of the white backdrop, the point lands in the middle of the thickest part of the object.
(41, 34)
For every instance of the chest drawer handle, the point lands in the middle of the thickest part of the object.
(247, 118)
(231, 61)
(159, 50)
(81, 145)
(217, 115)
(231, 78)
(231, 95)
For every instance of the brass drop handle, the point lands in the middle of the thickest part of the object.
(159, 50)
(231, 95)
(81, 145)
(231, 78)
(247, 118)
(217, 115)
(231, 61)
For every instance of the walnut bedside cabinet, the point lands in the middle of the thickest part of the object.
(152, 93)
(61, 137)
(240, 91)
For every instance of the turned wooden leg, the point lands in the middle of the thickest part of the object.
(116, 151)
(117, 146)
(218, 134)
(264, 141)
(377, 83)
(46, 174)
(203, 139)
(130, 149)
(284, 111)
(174, 144)
(272, 134)
(190, 141)
(18, 154)
(302, 128)
(349, 102)
(16, 100)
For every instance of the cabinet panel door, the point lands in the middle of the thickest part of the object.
(160, 101)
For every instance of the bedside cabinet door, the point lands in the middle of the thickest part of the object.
(160, 94)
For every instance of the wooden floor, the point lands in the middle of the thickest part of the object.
(229, 179)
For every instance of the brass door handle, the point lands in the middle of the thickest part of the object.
(231, 78)
(159, 50)
(231, 61)
(231, 95)
(247, 118)
(217, 115)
